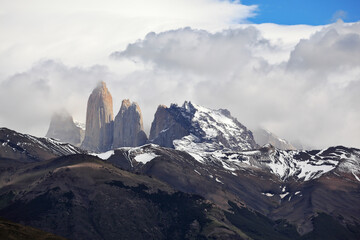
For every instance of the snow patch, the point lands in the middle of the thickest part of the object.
(218, 180)
(145, 157)
(357, 178)
(80, 125)
(104, 155)
(284, 195)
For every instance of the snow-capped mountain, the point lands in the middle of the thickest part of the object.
(285, 165)
(27, 148)
(215, 137)
(293, 185)
(196, 130)
(290, 185)
(301, 165)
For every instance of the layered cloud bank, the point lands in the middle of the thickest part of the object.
(312, 95)
(83, 32)
(301, 82)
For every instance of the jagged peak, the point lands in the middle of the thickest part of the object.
(101, 85)
(162, 106)
(126, 104)
(101, 88)
(128, 126)
(206, 128)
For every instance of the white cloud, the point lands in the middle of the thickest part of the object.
(339, 14)
(313, 96)
(334, 48)
(200, 51)
(28, 99)
(84, 32)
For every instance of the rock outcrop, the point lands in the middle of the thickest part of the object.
(166, 127)
(63, 128)
(128, 126)
(99, 120)
(194, 128)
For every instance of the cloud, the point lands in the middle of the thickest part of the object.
(200, 51)
(335, 47)
(312, 96)
(339, 14)
(28, 99)
(83, 32)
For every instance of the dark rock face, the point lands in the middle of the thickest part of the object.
(24, 148)
(11, 230)
(157, 197)
(128, 126)
(335, 193)
(167, 126)
(206, 129)
(82, 197)
(63, 128)
(99, 120)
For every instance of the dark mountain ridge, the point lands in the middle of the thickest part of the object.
(167, 194)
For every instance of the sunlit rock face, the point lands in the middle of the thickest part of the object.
(99, 120)
(128, 126)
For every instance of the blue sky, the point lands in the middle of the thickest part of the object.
(311, 12)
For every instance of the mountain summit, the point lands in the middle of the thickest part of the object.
(63, 128)
(128, 126)
(196, 129)
(99, 120)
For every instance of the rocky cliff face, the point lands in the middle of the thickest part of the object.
(63, 128)
(128, 126)
(99, 120)
(167, 126)
(194, 128)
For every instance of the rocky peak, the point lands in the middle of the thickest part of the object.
(99, 120)
(128, 126)
(28, 148)
(167, 126)
(160, 119)
(195, 128)
(63, 128)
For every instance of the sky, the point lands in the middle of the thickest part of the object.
(291, 12)
(292, 67)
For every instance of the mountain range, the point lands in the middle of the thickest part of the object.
(200, 174)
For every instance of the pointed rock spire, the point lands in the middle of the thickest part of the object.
(128, 126)
(63, 128)
(99, 120)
